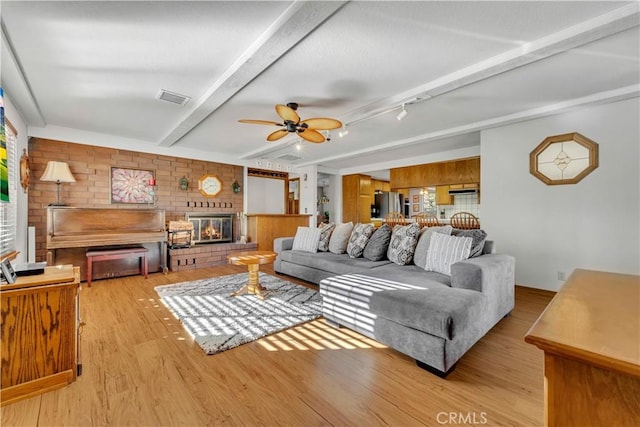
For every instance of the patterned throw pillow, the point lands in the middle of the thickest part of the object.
(340, 238)
(376, 249)
(306, 239)
(446, 250)
(478, 236)
(325, 235)
(403, 243)
(422, 248)
(358, 240)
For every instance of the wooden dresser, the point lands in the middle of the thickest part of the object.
(264, 228)
(39, 343)
(590, 334)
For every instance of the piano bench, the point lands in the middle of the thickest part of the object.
(122, 253)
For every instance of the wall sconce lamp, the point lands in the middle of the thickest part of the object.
(235, 186)
(184, 183)
(402, 114)
(57, 172)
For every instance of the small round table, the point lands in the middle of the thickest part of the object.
(252, 259)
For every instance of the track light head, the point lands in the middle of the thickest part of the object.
(402, 114)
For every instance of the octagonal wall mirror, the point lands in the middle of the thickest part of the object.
(563, 159)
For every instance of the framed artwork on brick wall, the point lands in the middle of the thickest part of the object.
(132, 186)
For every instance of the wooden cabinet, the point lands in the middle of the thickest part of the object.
(264, 228)
(39, 333)
(442, 196)
(378, 185)
(463, 171)
(356, 198)
(590, 335)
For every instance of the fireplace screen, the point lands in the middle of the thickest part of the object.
(210, 227)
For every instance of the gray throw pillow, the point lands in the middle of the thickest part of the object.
(340, 238)
(420, 254)
(325, 235)
(358, 240)
(403, 243)
(478, 236)
(376, 249)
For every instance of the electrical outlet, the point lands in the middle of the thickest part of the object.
(561, 276)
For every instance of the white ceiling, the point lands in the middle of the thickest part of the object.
(90, 71)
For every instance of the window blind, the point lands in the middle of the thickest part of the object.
(9, 211)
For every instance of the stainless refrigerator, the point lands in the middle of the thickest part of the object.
(388, 202)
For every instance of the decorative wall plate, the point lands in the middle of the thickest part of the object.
(564, 159)
(25, 170)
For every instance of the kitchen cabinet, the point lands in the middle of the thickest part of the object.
(464, 171)
(40, 338)
(356, 198)
(442, 196)
(378, 185)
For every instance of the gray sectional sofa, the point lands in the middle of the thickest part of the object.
(432, 317)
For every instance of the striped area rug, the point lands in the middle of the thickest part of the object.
(219, 322)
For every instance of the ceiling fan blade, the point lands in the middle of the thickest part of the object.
(311, 135)
(287, 113)
(274, 136)
(260, 122)
(323, 123)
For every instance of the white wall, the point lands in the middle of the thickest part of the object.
(17, 121)
(309, 192)
(593, 224)
(265, 195)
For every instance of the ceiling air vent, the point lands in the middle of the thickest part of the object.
(289, 157)
(173, 97)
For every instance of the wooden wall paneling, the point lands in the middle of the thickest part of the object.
(434, 174)
(264, 228)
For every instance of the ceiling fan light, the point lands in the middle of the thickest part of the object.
(344, 132)
(402, 114)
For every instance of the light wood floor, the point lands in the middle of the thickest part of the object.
(141, 368)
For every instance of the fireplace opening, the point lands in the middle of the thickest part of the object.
(210, 227)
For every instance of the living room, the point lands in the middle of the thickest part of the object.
(588, 86)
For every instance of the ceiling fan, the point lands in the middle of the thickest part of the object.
(306, 129)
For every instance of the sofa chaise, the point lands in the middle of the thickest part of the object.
(432, 317)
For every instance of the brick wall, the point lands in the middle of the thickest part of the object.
(91, 167)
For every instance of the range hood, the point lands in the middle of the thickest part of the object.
(458, 191)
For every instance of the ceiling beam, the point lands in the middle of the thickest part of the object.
(299, 20)
(615, 95)
(16, 84)
(597, 28)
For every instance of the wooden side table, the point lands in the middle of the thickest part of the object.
(40, 336)
(252, 259)
(590, 335)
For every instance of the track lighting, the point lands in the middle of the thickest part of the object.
(344, 132)
(402, 114)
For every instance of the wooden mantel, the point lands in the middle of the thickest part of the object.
(264, 228)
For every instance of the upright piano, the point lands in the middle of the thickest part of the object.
(71, 232)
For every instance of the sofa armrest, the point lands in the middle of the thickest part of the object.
(484, 272)
(493, 275)
(282, 244)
